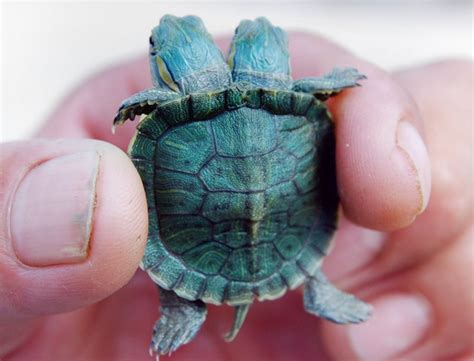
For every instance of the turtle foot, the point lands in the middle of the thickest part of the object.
(322, 299)
(179, 323)
(329, 84)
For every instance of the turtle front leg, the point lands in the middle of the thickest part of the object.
(179, 322)
(143, 102)
(322, 299)
(329, 84)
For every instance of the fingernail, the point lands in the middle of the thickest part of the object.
(413, 146)
(52, 210)
(398, 323)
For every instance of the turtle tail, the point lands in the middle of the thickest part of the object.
(239, 318)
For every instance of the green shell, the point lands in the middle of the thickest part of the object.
(241, 192)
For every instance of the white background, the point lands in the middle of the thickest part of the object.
(49, 48)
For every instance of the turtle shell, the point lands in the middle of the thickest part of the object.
(241, 192)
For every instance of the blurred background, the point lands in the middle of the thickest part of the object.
(49, 48)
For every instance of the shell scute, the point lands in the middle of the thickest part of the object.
(240, 293)
(288, 123)
(150, 127)
(249, 174)
(155, 252)
(183, 233)
(216, 290)
(253, 97)
(192, 285)
(301, 103)
(272, 289)
(235, 97)
(142, 148)
(252, 263)
(168, 272)
(235, 133)
(304, 210)
(279, 196)
(185, 148)
(309, 261)
(178, 193)
(299, 141)
(290, 242)
(175, 111)
(292, 274)
(206, 105)
(277, 101)
(208, 257)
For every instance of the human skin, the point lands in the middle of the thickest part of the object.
(74, 223)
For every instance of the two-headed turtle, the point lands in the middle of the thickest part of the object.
(238, 165)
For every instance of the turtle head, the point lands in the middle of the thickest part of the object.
(259, 54)
(160, 73)
(183, 56)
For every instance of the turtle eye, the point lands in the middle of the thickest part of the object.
(151, 41)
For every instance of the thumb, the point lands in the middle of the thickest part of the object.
(73, 223)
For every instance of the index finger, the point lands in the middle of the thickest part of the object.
(382, 163)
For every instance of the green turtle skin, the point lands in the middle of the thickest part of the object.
(238, 165)
(238, 209)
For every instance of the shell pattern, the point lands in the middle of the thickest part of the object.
(241, 196)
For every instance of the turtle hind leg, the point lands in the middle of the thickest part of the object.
(322, 299)
(178, 324)
(329, 84)
(239, 318)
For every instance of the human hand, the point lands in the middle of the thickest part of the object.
(74, 226)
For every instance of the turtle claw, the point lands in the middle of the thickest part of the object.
(143, 102)
(152, 351)
(179, 323)
(169, 335)
(123, 114)
(346, 76)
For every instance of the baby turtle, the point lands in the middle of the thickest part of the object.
(238, 165)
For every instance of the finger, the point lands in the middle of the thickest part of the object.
(419, 281)
(444, 92)
(73, 228)
(421, 314)
(449, 211)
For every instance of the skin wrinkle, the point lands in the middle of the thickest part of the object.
(7, 240)
(93, 205)
(413, 168)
